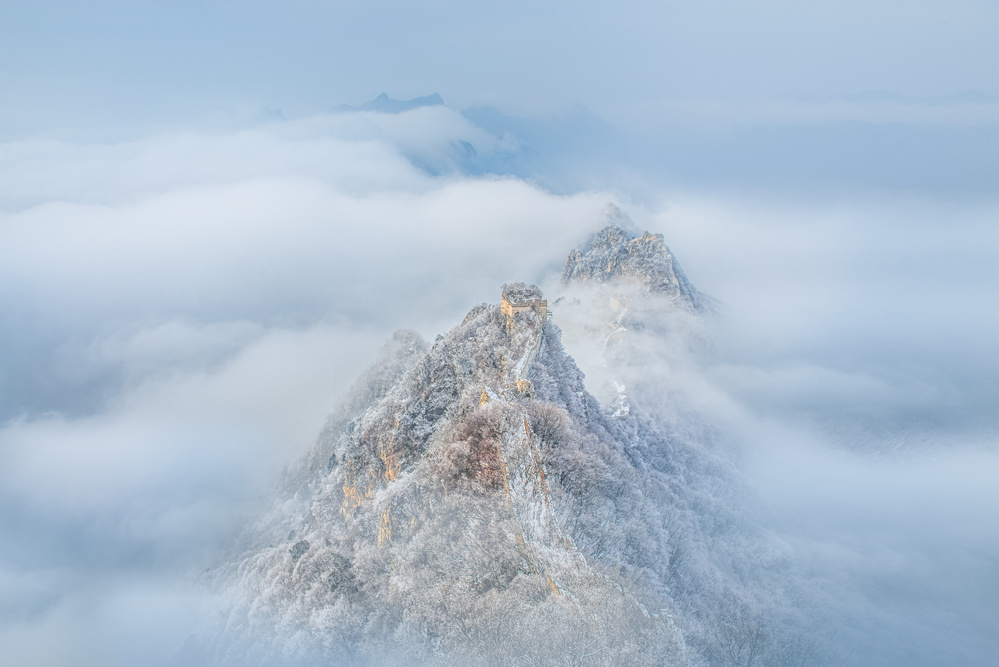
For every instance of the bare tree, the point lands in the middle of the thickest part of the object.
(549, 422)
(744, 638)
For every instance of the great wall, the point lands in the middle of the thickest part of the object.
(521, 458)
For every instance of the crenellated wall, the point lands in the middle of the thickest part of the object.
(539, 306)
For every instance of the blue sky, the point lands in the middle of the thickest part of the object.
(198, 255)
(67, 62)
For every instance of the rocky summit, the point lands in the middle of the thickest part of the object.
(614, 254)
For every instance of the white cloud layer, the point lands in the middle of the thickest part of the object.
(180, 312)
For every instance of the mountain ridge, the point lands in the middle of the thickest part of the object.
(471, 502)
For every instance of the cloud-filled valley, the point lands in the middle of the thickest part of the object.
(181, 311)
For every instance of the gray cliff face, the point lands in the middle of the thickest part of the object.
(613, 254)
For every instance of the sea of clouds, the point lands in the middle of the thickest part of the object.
(181, 310)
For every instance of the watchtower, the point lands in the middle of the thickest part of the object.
(518, 297)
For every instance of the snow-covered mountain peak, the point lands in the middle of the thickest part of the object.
(614, 254)
(472, 503)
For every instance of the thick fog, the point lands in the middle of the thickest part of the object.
(199, 253)
(855, 359)
(180, 313)
(172, 342)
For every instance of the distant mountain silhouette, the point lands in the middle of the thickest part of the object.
(385, 104)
